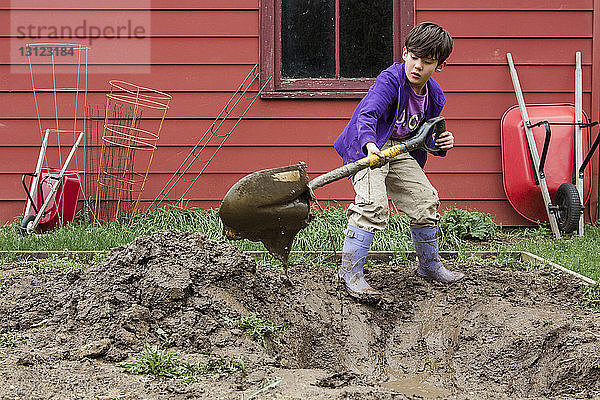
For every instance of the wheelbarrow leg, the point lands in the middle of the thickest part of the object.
(578, 136)
(533, 149)
(36, 178)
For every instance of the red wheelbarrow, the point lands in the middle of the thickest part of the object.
(560, 174)
(52, 195)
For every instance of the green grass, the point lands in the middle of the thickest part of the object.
(579, 254)
(10, 339)
(461, 231)
(257, 328)
(159, 362)
(56, 263)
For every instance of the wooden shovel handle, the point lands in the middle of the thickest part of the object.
(418, 141)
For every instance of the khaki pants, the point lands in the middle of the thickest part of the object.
(404, 181)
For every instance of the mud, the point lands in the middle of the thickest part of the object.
(502, 332)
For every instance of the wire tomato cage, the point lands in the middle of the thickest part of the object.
(127, 149)
(59, 85)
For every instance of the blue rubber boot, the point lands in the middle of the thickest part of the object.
(426, 245)
(354, 255)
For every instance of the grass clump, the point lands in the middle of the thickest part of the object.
(457, 224)
(157, 361)
(591, 297)
(154, 360)
(4, 281)
(257, 328)
(216, 365)
(9, 339)
(579, 254)
(56, 263)
(460, 230)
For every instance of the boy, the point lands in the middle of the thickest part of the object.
(403, 96)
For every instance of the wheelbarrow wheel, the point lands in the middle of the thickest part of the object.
(25, 228)
(569, 207)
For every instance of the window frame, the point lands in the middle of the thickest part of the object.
(270, 57)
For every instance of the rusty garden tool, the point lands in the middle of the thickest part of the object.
(273, 205)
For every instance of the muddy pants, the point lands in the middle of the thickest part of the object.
(404, 181)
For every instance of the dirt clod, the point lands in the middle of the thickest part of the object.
(502, 332)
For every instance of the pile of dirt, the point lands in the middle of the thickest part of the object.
(499, 333)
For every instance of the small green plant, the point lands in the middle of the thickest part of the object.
(157, 361)
(98, 258)
(257, 328)
(9, 339)
(498, 259)
(217, 365)
(9, 258)
(462, 224)
(591, 297)
(154, 360)
(56, 263)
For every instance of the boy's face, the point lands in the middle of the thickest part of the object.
(418, 70)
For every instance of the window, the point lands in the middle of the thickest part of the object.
(330, 48)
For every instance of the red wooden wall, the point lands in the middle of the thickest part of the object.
(543, 36)
(200, 52)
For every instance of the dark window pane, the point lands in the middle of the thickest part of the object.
(307, 39)
(366, 45)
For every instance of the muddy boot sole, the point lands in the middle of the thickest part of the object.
(363, 297)
(456, 276)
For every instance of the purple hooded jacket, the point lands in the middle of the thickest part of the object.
(374, 117)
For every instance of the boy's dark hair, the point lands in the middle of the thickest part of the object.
(429, 40)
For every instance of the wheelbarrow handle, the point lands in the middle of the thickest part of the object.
(33, 175)
(372, 161)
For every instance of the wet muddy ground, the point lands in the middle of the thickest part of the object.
(505, 331)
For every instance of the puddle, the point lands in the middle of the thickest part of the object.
(414, 386)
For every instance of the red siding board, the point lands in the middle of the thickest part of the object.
(467, 159)
(532, 23)
(170, 78)
(203, 105)
(244, 50)
(320, 159)
(162, 23)
(227, 78)
(443, 5)
(204, 50)
(496, 78)
(178, 132)
(214, 186)
(119, 4)
(260, 132)
(473, 51)
(220, 45)
(493, 105)
(246, 159)
(206, 105)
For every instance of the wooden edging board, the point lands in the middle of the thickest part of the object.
(335, 255)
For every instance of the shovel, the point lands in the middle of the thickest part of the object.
(273, 205)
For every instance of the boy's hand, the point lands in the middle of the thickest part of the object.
(445, 141)
(373, 149)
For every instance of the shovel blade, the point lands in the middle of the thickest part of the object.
(270, 206)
